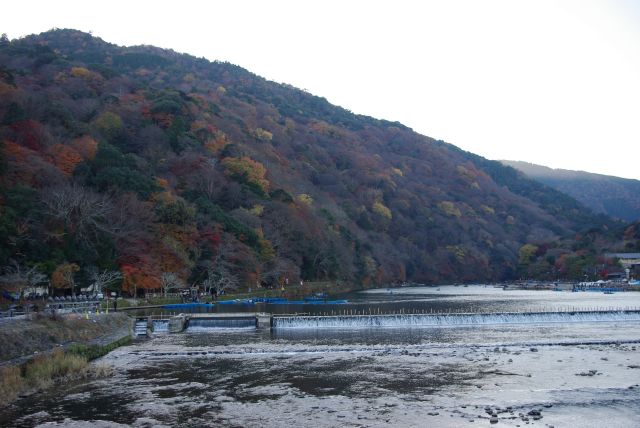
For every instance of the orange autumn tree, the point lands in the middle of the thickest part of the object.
(139, 276)
(66, 158)
(16, 152)
(86, 146)
(63, 276)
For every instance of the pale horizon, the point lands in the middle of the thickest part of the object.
(553, 83)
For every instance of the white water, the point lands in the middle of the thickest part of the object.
(424, 320)
(161, 326)
(199, 324)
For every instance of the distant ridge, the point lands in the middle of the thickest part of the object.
(614, 196)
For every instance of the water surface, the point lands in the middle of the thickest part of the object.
(574, 374)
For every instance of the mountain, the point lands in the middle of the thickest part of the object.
(614, 196)
(172, 169)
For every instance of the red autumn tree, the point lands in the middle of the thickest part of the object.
(28, 133)
(139, 276)
(66, 158)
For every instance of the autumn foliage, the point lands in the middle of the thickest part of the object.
(247, 170)
(63, 275)
(139, 277)
(66, 158)
(153, 163)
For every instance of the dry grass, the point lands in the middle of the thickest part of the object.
(102, 370)
(43, 370)
(11, 384)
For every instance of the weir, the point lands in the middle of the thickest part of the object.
(198, 323)
(228, 320)
(451, 319)
(244, 320)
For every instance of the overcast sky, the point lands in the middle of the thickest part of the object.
(550, 82)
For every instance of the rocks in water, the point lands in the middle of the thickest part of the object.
(536, 414)
(589, 373)
(493, 420)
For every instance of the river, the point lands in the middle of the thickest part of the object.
(541, 372)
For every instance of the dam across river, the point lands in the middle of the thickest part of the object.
(349, 320)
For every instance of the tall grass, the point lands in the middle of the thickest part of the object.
(42, 371)
(11, 384)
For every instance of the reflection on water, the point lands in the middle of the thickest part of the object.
(445, 299)
(582, 374)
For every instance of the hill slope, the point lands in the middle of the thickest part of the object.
(614, 196)
(169, 168)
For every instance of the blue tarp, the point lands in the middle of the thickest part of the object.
(281, 301)
(178, 306)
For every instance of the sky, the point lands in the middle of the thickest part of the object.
(551, 82)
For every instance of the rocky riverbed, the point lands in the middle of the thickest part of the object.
(436, 378)
(560, 375)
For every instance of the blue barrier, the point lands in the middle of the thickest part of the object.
(178, 306)
(281, 301)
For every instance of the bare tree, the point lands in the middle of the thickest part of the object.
(170, 280)
(280, 270)
(83, 212)
(220, 274)
(104, 278)
(18, 278)
(220, 278)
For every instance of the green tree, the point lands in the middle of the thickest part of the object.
(526, 254)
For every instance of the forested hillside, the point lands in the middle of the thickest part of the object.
(614, 196)
(175, 170)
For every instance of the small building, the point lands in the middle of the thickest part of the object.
(630, 261)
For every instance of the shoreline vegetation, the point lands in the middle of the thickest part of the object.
(44, 350)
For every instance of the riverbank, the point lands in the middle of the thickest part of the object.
(42, 350)
(23, 338)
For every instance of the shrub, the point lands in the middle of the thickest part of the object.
(92, 352)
